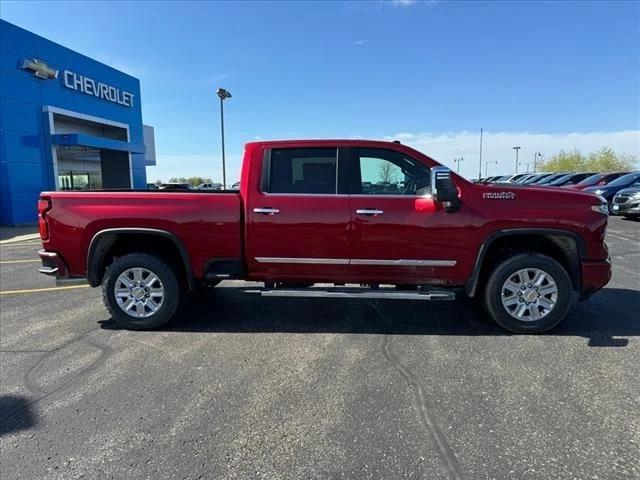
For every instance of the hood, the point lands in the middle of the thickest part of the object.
(541, 194)
(629, 191)
(603, 188)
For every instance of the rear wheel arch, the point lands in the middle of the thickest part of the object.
(113, 242)
(564, 246)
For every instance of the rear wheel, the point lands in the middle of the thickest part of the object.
(141, 291)
(528, 293)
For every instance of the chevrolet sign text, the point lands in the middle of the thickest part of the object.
(89, 86)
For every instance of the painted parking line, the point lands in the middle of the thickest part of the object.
(19, 261)
(2, 247)
(35, 290)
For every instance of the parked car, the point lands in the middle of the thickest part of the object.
(176, 186)
(522, 179)
(492, 179)
(597, 179)
(152, 186)
(535, 178)
(549, 178)
(301, 218)
(513, 178)
(627, 202)
(210, 186)
(609, 190)
(568, 179)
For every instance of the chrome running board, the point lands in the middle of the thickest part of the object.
(432, 295)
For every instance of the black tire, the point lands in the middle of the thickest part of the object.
(632, 217)
(168, 281)
(508, 268)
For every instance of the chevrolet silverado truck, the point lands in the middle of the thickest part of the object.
(334, 219)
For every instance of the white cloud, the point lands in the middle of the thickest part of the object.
(408, 3)
(360, 42)
(498, 146)
(403, 3)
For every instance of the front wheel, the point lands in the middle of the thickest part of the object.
(528, 293)
(140, 291)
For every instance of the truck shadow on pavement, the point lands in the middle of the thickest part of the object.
(16, 413)
(609, 314)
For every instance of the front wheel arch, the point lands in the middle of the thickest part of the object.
(564, 246)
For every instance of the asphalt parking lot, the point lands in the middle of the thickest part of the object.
(248, 387)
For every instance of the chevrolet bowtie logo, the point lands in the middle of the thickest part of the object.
(39, 68)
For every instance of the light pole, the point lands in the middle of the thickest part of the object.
(516, 149)
(486, 167)
(536, 156)
(458, 160)
(223, 94)
(480, 165)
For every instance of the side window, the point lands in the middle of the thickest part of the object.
(385, 172)
(302, 170)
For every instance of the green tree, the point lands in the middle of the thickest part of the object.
(564, 162)
(606, 160)
(603, 160)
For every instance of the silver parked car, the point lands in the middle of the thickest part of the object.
(627, 202)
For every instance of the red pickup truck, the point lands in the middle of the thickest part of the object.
(335, 218)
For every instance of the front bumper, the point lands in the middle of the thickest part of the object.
(52, 264)
(627, 208)
(595, 275)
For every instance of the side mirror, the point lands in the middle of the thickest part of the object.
(443, 189)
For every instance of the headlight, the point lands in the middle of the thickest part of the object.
(602, 208)
(635, 196)
(599, 192)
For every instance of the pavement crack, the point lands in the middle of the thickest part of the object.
(425, 410)
(40, 395)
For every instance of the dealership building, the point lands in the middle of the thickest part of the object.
(67, 122)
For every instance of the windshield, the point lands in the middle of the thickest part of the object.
(550, 178)
(592, 180)
(535, 178)
(562, 179)
(624, 180)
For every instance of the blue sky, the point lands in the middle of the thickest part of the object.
(545, 75)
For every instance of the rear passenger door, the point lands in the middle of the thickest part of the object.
(298, 219)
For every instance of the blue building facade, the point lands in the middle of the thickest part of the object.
(67, 122)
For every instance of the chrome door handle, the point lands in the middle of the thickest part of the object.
(266, 210)
(372, 212)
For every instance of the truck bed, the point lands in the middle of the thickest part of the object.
(206, 223)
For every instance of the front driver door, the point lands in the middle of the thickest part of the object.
(400, 234)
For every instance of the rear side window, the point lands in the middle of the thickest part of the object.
(302, 170)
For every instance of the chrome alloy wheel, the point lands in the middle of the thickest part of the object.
(139, 292)
(529, 294)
